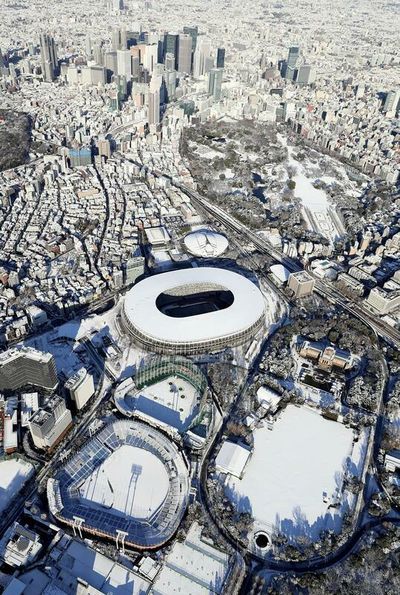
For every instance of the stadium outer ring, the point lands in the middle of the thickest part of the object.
(213, 331)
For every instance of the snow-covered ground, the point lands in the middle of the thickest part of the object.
(70, 355)
(13, 474)
(318, 213)
(295, 472)
(131, 481)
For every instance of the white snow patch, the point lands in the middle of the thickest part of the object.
(13, 474)
(131, 481)
(293, 469)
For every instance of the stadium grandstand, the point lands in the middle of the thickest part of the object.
(169, 389)
(129, 483)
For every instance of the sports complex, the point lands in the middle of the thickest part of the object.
(193, 311)
(129, 483)
(205, 243)
(170, 389)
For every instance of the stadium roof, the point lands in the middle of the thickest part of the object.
(205, 242)
(143, 314)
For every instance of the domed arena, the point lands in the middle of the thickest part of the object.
(205, 243)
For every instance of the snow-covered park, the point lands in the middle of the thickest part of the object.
(295, 475)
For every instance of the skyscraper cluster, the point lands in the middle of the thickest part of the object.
(294, 69)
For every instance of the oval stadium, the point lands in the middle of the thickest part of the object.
(193, 311)
(129, 482)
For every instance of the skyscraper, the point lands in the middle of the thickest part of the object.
(291, 63)
(149, 60)
(193, 32)
(184, 54)
(201, 57)
(124, 63)
(215, 83)
(305, 74)
(88, 47)
(48, 54)
(220, 57)
(170, 84)
(171, 46)
(392, 103)
(154, 107)
(154, 100)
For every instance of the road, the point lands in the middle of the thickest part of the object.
(330, 293)
(324, 289)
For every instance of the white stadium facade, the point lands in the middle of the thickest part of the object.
(192, 311)
(129, 483)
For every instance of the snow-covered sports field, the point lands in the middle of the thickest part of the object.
(295, 473)
(131, 481)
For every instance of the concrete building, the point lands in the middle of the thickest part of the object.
(184, 64)
(49, 424)
(215, 83)
(80, 387)
(301, 283)
(326, 356)
(19, 546)
(27, 367)
(305, 74)
(48, 54)
(133, 269)
(384, 302)
(392, 460)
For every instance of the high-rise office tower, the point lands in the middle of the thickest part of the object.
(110, 62)
(305, 74)
(154, 100)
(116, 39)
(88, 47)
(49, 424)
(220, 57)
(154, 107)
(98, 54)
(171, 46)
(27, 366)
(184, 53)
(3, 66)
(291, 63)
(133, 269)
(193, 32)
(215, 83)
(49, 58)
(170, 84)
(202, 58)
(135, 68)
(124, 63)
(392, 103)
(150, 57)
(80, 387)
(123, 36)
(169, 61)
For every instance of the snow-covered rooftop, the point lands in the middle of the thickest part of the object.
(206, 243)
(144, 316)
(232, 458)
